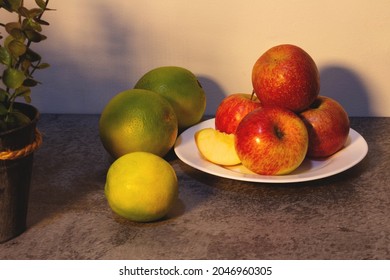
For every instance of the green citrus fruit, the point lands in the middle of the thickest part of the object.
(138, 120)
(181, 88)
(141, 187)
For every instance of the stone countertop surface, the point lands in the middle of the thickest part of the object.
(345, 216)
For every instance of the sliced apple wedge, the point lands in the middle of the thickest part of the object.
(217, 147)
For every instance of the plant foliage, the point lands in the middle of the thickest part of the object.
(18, 61)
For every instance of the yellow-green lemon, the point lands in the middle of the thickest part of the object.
(141, 187)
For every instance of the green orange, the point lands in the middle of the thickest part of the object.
(138, 120)
(181, 88)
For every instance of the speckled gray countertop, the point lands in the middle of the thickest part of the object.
(346, 216)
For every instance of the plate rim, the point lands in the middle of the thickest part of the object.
(223, 172)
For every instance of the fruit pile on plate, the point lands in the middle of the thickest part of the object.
(283, 121)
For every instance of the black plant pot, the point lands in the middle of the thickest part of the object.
(15, 173)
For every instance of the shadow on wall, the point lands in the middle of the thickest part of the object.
(83, 77)
(214, 94)
(345, 86)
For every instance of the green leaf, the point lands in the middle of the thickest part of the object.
(3, 95)
(15, 4)
(7, 40)
(4, 4)
(30, 14)
(13, 78)
(41, 21)
(17, 119)
(25, 65)
(18, 34)
(22, 90)
(3, 110)
(25, 92)
(13, 28)
(34, 36)
(31, 24)
(5, 57)
(41, 4)
(17, 48)
(27, 98)
(23, 11)
(32, 56)
(30, 83)
(43, 66)
(35, 12)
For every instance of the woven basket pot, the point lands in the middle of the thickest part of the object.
(16, 160)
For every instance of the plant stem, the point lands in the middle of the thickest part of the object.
(29, 42)
(20, 16)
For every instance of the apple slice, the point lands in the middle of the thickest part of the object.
(217, 147)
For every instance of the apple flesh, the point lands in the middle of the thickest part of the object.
(216, 147)
(328, 126)
(233, 109)
(286, 76)
(271, 141)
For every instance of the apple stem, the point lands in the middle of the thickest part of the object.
(278, 133)
(253, 93)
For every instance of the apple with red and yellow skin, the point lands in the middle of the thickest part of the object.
(271, 141)
(328, 126)
(286, 76)
(233, 109)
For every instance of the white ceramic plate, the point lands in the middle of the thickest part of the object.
(354, 151)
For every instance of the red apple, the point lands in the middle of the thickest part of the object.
(271, 141)
(233, 109)
(286, 76)
(328, 126)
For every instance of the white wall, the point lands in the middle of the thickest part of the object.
(98, 48)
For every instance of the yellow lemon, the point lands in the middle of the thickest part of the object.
(141, 187)
(138, 120)
(181, 88)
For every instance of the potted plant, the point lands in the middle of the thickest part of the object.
(18, 134)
